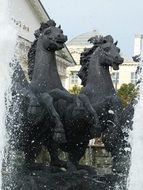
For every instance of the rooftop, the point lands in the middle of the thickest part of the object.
(82, 39)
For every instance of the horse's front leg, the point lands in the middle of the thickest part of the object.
(95, 129)
(58, 94)
(47, 101)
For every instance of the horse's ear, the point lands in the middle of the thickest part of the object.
(116, 43)
(59, 26)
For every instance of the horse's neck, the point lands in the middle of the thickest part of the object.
(99, 84)
(45, 76)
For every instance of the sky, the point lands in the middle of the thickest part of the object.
(120, 18)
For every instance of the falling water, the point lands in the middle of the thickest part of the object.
(135, 181)
(7, 45)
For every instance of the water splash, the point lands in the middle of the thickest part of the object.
(8, 38)
(135, 181)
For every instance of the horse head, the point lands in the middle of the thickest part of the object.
(104, 50)
(50, 37)
(108, 52)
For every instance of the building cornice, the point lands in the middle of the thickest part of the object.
(40, 10)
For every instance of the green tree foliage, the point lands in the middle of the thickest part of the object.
(75, 89)
(127, 93)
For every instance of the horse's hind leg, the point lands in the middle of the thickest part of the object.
(30, 155)
(54, 155)
(75, 155)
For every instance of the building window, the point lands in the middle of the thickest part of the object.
(134, 77)
(115, 79)
(74, 78)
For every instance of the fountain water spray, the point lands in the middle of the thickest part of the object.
(135, 181)
(7, 45)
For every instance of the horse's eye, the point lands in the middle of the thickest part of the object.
(47, 32)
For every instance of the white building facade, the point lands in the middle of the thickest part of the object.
(138, 44)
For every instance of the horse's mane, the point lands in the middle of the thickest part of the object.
(97, 41)
(31, 59)
(32, 50)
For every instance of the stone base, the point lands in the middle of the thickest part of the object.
(49, 178)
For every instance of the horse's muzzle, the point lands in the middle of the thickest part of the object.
(65, 38)
(62, 39)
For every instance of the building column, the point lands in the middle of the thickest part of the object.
(138, 44)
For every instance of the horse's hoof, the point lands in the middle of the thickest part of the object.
(59, 137)
(71, 168)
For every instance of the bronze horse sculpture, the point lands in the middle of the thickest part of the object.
(52, 116)
(57, 119)
(115, 121)
(97, 82)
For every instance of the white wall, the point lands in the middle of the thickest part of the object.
(25, 17)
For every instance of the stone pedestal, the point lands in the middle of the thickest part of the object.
(49, 178)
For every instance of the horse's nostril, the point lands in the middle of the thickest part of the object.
(66, 38)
